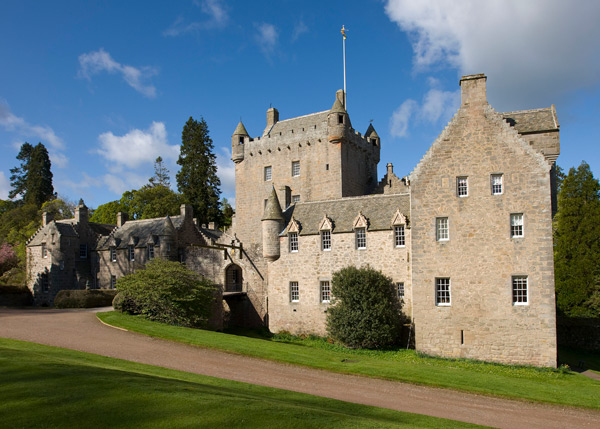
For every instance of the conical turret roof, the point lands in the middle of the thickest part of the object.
(240, 130)
(371, 132)
(337, 107)
(273, 208)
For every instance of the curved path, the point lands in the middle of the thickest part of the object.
(81, 330)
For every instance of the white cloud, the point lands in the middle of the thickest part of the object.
(124, 182)
(100, 61)
(266, 37)
(218, 17)
(531, 50)
(4, 186)
(299, 29)
(137, 146)
(401, 117)
(226, 173)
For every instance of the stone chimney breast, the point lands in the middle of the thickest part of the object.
(272, 117)
(472, 90)
(46, 218)
(122, 218)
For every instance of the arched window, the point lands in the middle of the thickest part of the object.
(233, 278)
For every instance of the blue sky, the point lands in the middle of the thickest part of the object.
(107, 86)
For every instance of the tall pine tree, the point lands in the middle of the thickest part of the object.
(577, 244)
(197, 179)
(33, 179)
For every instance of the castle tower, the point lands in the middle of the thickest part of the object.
(237, 143)
(272, 224)
(338, 121)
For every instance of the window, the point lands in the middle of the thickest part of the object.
(399, 236)
(45, 283)
(267, 173)
(295, 168)
(325, 291)
(361, 238)
(295, 199)
(326, 240)
(462, 189)
(44, 250)
(150, 251)
(441, 227)
(113, 282)
(131, 253)
(83, 251)
(340, 119)
(519, 290)
(442, 291)
(516, 225)
(496, 181)
(294, 292)
(113, 254)
(293, 237)
(400, 288)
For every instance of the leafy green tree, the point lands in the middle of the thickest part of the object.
(33, 178)
(161, 174)
(59, 208)
(577, 244)
(366, 311)
(197, 179)
(152, 201)
(166, 291)
(107, 213)
(227, 211)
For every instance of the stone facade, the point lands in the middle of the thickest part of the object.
(467, 236)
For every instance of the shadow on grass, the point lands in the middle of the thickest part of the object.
(579, 360)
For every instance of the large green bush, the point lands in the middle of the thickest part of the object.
(84, 298)
(166, 291)
(366, 311)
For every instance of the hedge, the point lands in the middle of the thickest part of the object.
(86, 298)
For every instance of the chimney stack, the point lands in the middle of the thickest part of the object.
(272, 117)
(122, 218)
(46, 218)
(472, 90)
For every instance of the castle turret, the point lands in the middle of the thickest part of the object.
(338, 121)
(237, 143)
(272, 224)
(372, 135)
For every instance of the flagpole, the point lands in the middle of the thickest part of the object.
(344, 58)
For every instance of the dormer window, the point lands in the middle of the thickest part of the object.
(293, 236)
(150, 251)
(113, 254)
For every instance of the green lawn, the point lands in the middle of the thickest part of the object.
(42, 386)
(518, 382)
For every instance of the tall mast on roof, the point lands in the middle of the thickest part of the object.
(344, 56)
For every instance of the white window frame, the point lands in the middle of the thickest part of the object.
(83, 251)
(131, 253)
(399, 236)
(517, 225)
(360, 236)
(150, 251)
(113, 254)
(295, 168)
(497, 188)
(325, 291)
(462, 186)
(326, 240)
(294, 292)
(293, 240)
(268, 173)
(295, 199)
(442, 229)
(520, 290)
(400, 290)
(443, 292)
(44, 251)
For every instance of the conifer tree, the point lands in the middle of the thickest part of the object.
(33, 179)
(577, 244)
(197, 180)
(161, 174)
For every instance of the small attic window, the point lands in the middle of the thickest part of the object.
(340, 119)
(241, 140)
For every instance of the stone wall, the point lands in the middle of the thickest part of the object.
(480, 257)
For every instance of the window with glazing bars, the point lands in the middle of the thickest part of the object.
(293, 241)
(361, 238)
(295, 168)
(325, 291)
(400, 287)
(496, 181)
(442, 291)
(462, 189)
(326, 240)
(294, 292)
(516, 225)
(519, 290)
(442, 231)
(399, 235)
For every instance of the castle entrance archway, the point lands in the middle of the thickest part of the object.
(233, 278)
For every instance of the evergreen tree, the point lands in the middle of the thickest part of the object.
(33, 179)
(197, 180)
(161, 174)
(577, 244)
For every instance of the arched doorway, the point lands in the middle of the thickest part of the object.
(233, 278)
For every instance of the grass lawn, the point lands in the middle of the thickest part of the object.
(518, 382)
(42, 386)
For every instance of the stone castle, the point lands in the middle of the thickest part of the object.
(466, 237)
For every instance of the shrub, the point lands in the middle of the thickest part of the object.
(84, 298)
(166, 291)
(366, 309)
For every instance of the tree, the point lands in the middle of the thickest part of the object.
(577, 244)
(33, 178)
(227, 211)
(59, 208)
(152, 201)
(107, 213)
(161, 174)
(166, 291)
(366, 311)
(197, 180)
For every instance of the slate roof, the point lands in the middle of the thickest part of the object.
(378, 209)
(298, 123)
(67, 228)
(142, 231)
(533, 121)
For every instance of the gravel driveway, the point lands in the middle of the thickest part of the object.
(81, 330)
